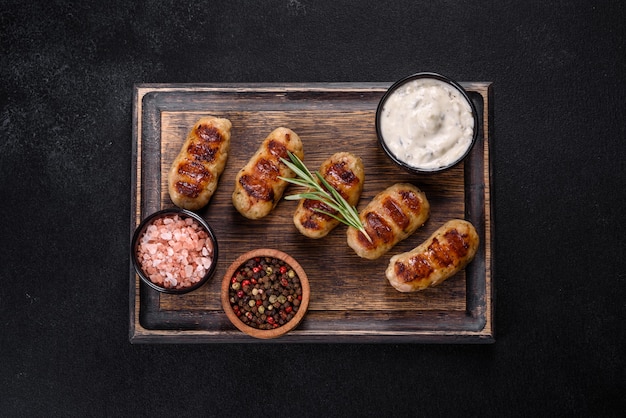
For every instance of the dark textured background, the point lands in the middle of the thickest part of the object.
(67, 71)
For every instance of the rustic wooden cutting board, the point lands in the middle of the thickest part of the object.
(351, 300)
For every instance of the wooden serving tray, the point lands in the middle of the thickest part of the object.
(351, 300)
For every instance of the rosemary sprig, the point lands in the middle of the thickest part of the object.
(322, 191)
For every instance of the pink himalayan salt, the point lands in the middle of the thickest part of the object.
(175, 253)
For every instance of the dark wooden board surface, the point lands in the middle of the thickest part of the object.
(351, 300)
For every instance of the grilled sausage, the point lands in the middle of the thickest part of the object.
(446, 252)
(392, 216)
(257, 186)
(195, 172)
(345, 173)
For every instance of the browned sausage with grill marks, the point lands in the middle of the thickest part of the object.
(445, 253)
(344, 172)
(258, 188)
(392, 216)
(195, 172)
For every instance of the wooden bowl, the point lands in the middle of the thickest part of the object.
(278, 329)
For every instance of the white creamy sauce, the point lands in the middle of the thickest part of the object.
(427, 123)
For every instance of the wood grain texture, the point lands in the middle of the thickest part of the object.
(351, 299)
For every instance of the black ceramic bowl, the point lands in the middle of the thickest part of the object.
(447, 85)
(180, 279)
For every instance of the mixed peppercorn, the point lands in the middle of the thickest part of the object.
(265, 293)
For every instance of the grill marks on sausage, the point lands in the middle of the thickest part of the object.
(201, 150)
(256, 187)
(194, 171)
(188, 189)
(397, 211)
(266, 169)
(316, 204)
(195, 176)
(208, 133)
(258, 183)
(394, 211)
(378, 229)
(315, 219)
(418, 268)
(411, 200)
(278, 149)
(440, 254)
(340, 177)
(455, 247)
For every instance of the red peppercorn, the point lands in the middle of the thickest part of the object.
(283, 269)
(245, 283)
(253, 281)
(270, 320)
(256, 269)
(284, 282)
(288, 309)
(240, 294)
(234, 279)
(259, 302)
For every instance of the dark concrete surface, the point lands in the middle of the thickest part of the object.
(67, 71)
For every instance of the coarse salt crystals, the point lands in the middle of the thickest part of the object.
(175, 252)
